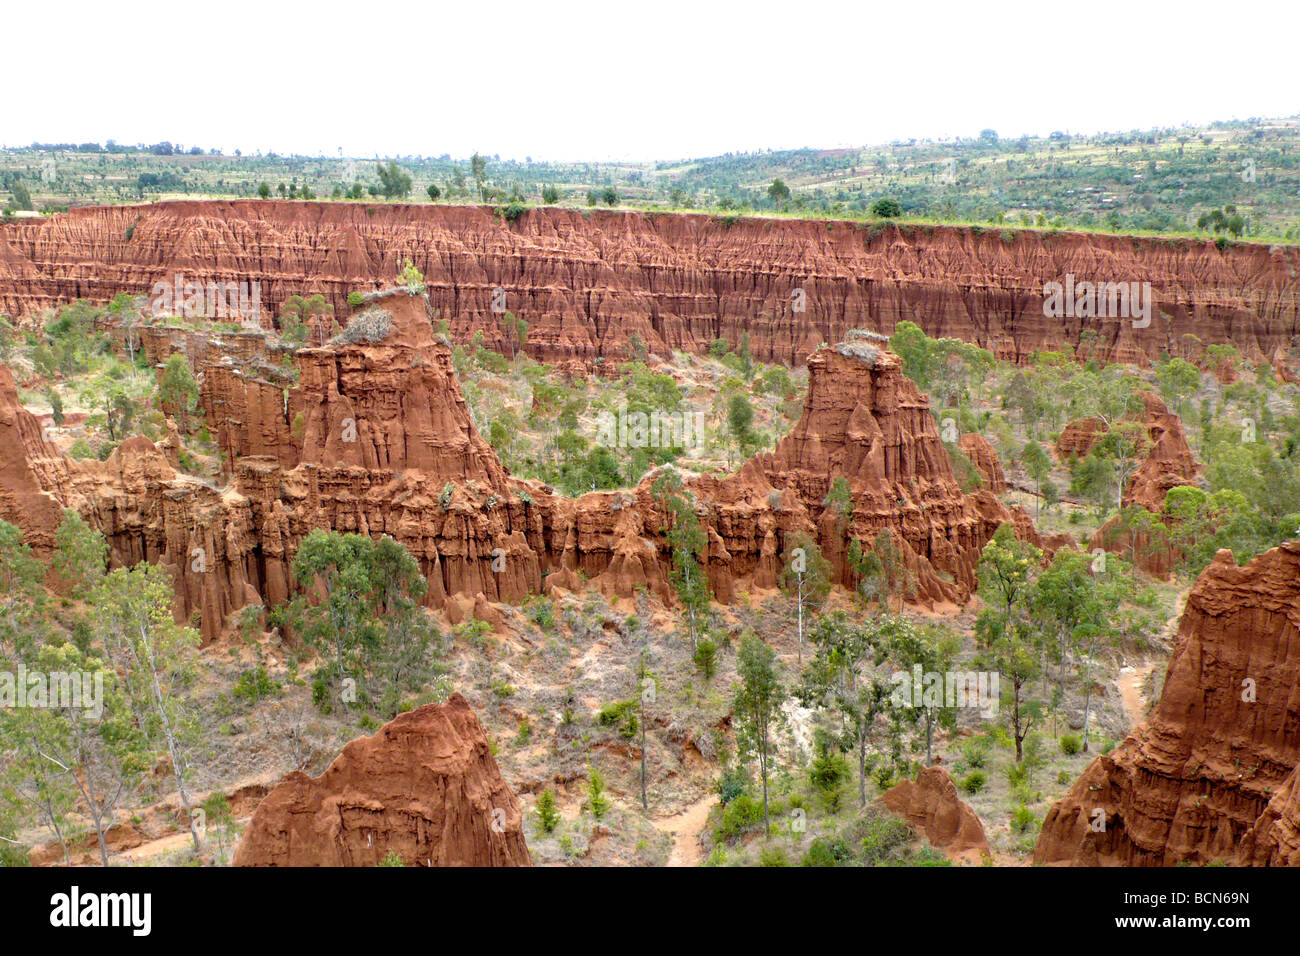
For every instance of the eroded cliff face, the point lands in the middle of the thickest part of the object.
(425, 786)
(1211, 773)
(375, 438)
(587, 281)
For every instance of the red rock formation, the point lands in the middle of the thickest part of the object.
(588, 280)
(376, 438)
(1168, 463)
(425, 786)
(1274, 840)
(1213, 767)
(981, 454)
(1078, 437)
(931, 805)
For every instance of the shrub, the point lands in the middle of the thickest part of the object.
(1022, 819)
(355, 299)
(742, 814)
(974, 781)
(976, 751)
(733, 782)
(825, 851)
(548, 814)
(542, 613)
(1063, 778)
(1070, 744)
(705, 658)
(773, 856)
(597, 802)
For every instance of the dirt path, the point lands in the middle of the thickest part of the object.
(685, 828)
(1130, 682)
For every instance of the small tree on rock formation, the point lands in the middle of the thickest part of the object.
(298, 314)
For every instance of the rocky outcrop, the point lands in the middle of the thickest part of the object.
(1212, 769)
(1274, 840)
(425, 787)
(1167, 464)
(931, 805)
(981, 454)
(586, 281)
(375, 437)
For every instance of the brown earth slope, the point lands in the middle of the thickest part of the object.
(588, 280)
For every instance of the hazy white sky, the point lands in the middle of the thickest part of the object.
(572, 79)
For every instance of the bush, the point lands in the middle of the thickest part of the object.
(1070, 744)
(733, 782)
(742, 814)
(705, 658)
(548, 814)
(882, 837)
(773, 856)
(1022, 820)
(1063, 778)
(542, 613)
(976, 751)
(825, 851)
(974, 782)
(355, 299)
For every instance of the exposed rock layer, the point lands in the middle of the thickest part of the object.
(425, 787)
(587, 281)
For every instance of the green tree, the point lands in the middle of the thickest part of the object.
(687, 541)
(778, 192)
(933, 648)
(805, 576)
(152, 655)
(394, 182)
(177, 389)
(886, 209)
(1039, 465)
(757, 706)
(82, 554)
(839, 678)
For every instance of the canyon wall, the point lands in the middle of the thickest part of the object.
(1210, 775)
(586, 281)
